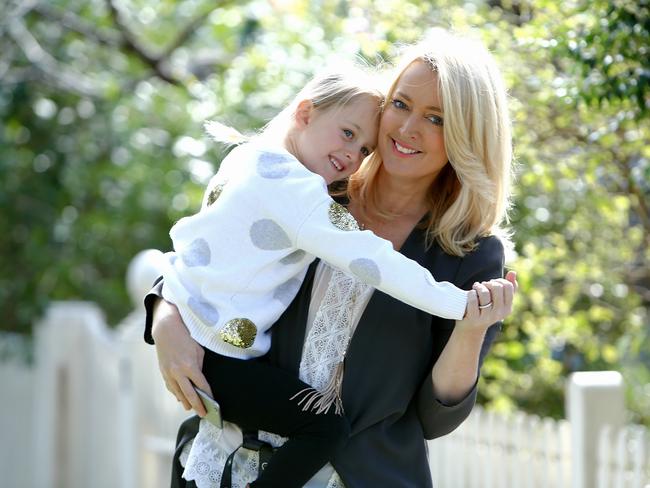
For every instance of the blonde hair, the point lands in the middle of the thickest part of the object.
(470, 196)
(327, 90)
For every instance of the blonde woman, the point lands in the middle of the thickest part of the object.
(437, 188)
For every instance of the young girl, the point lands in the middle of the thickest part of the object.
(239, 262)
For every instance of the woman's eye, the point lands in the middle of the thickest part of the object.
(398, 104)
(365, 151)
(435, 120)
(348, 133)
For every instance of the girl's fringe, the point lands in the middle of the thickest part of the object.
(321, 401)
(224, 134)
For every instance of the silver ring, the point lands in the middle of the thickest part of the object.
(487, 305)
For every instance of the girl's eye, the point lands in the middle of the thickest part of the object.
(348, 133)
(398, 104)
(435, 120)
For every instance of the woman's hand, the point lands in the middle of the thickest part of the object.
(180, 358)
(491, 302)
(455, 372)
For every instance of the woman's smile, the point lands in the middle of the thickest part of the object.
(403, 150)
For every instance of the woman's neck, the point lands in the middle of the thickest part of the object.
(399, 197)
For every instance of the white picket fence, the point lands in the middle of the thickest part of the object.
(93, 412)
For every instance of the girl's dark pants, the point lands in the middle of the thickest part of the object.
(256, 396)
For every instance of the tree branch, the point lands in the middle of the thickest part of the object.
(130, 44)
(78, 25)
(44, 62)
(189, 29)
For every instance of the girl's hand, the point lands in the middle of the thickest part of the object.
(180, 358)
(490, 302)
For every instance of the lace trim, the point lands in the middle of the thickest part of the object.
(208, 454)
(327, 342)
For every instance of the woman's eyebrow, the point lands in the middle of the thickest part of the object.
(403, 95)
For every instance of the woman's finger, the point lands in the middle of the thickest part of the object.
(496, 292)
(483, 293)
(511, 276)
(191, 396)
(173, 387)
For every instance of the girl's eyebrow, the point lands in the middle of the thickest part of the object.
(401, 94)
(354, 125)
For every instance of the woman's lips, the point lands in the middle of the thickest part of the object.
(402, 149)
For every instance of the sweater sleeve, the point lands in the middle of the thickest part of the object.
(333, 235)
(438, 419)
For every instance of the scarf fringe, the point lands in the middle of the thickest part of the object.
(321, 401)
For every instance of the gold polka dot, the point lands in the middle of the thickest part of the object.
(239, 332)
(215, 193)
(341, 218)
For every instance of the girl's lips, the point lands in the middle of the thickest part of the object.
(336, 163)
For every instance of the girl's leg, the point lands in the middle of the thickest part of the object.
(256, 395)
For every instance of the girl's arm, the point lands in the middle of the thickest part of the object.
(332, 234)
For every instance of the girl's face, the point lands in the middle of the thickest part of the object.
(333, 142)
(411, 137)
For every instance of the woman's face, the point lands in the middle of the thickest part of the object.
(411, 141)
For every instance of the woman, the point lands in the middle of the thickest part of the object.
(437, 187)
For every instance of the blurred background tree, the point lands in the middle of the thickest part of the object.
(101, 150)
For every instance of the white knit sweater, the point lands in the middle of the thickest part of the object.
(239, 262)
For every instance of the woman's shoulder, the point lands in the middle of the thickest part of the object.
(490, 245)
(485, 261)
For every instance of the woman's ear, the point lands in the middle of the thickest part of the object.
(304, 112)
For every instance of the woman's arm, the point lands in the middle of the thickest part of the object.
(180, 358)
(456, 371)
(448, 394)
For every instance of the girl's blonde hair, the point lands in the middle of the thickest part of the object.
(329, 89)
(469, 198)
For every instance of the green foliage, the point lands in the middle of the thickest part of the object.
(102, 150)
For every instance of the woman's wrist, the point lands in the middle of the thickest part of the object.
(161, 311)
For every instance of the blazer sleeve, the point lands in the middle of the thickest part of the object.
(438, 419)
(149, 301)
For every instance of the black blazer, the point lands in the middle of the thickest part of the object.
(387, 388)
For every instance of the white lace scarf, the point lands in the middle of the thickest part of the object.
(328, 339)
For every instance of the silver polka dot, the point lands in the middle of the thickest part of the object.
(294, 257)
(197, 253)
(269, 236)
(204, 311)
(286, 292)
(273, 165)
(366, 270)
(341, 218)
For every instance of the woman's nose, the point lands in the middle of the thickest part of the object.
(408, 127)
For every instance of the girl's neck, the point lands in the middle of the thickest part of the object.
(290, 144)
